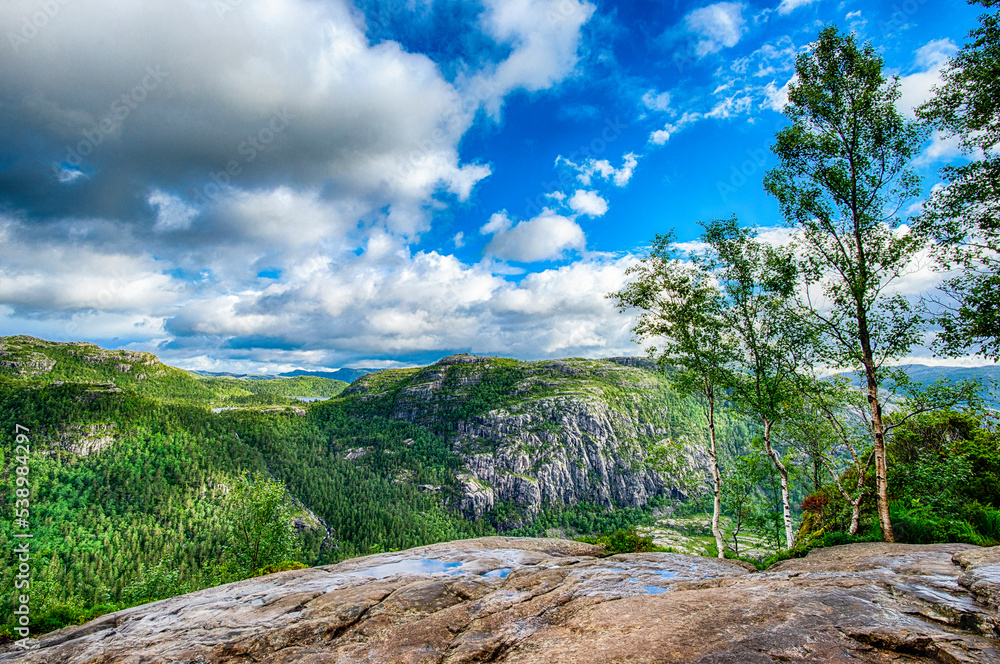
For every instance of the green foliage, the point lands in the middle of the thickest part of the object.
(986, 520)
(154, 583)
(947, 460)
(964, 216)
(751, 499)
(942, 483)
(621, 541)
(917, 523)
(589, 520)
(260, 525)
(283, 566)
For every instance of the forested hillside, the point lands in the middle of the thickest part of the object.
(130, 469)
(130, 476)
(28, 360)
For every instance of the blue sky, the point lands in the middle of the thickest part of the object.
(265, 185)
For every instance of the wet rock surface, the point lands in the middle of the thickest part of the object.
(513, 600)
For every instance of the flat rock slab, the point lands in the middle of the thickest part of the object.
(521, 600)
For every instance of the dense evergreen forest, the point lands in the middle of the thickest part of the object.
(156, 494)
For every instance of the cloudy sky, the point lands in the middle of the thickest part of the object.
(271, 184)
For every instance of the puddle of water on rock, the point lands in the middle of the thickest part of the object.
(415, 566)
(499, 573)
(654, 590)
(666, 574)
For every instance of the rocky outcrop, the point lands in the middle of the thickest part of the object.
(27, 357)
(549, 433)
(558, 451)
(516, 600)
(22, 356)
(86, 439)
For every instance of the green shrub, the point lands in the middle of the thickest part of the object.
(56, 617)
(622, 541)
(916, 523)
(985, 519)
(988, 524)
(283, 566)
(838, 538)
(154, 583)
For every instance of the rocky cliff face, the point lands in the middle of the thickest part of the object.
(538, 434)
(516, 600)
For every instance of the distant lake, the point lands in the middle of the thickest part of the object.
(306, 399)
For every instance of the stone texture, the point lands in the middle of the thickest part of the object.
(519, 600)
(569, 431)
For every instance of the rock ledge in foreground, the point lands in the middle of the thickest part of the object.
(520, 600)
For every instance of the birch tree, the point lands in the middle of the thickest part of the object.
(829, 423)
(679, 308)
(843, 177)
(769, 338)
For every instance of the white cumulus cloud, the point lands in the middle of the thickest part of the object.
(602, 168)
(588, 202)
(545, 237)
(718, 25)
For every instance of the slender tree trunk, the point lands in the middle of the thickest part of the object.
(787, 510)
(855, 503)
(878, 429)
(868, 360)
(817, 463)
(716, 475)
(855, 516)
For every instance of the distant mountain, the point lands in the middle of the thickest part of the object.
(136, 469)
(926, 374)
(988, 376)
(27, 360)
(345, 375)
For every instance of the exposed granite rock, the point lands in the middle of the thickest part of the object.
(560, 432)
(558, 450)
(517, 600)
(28, 357)
(982, 574)
(86, 439)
